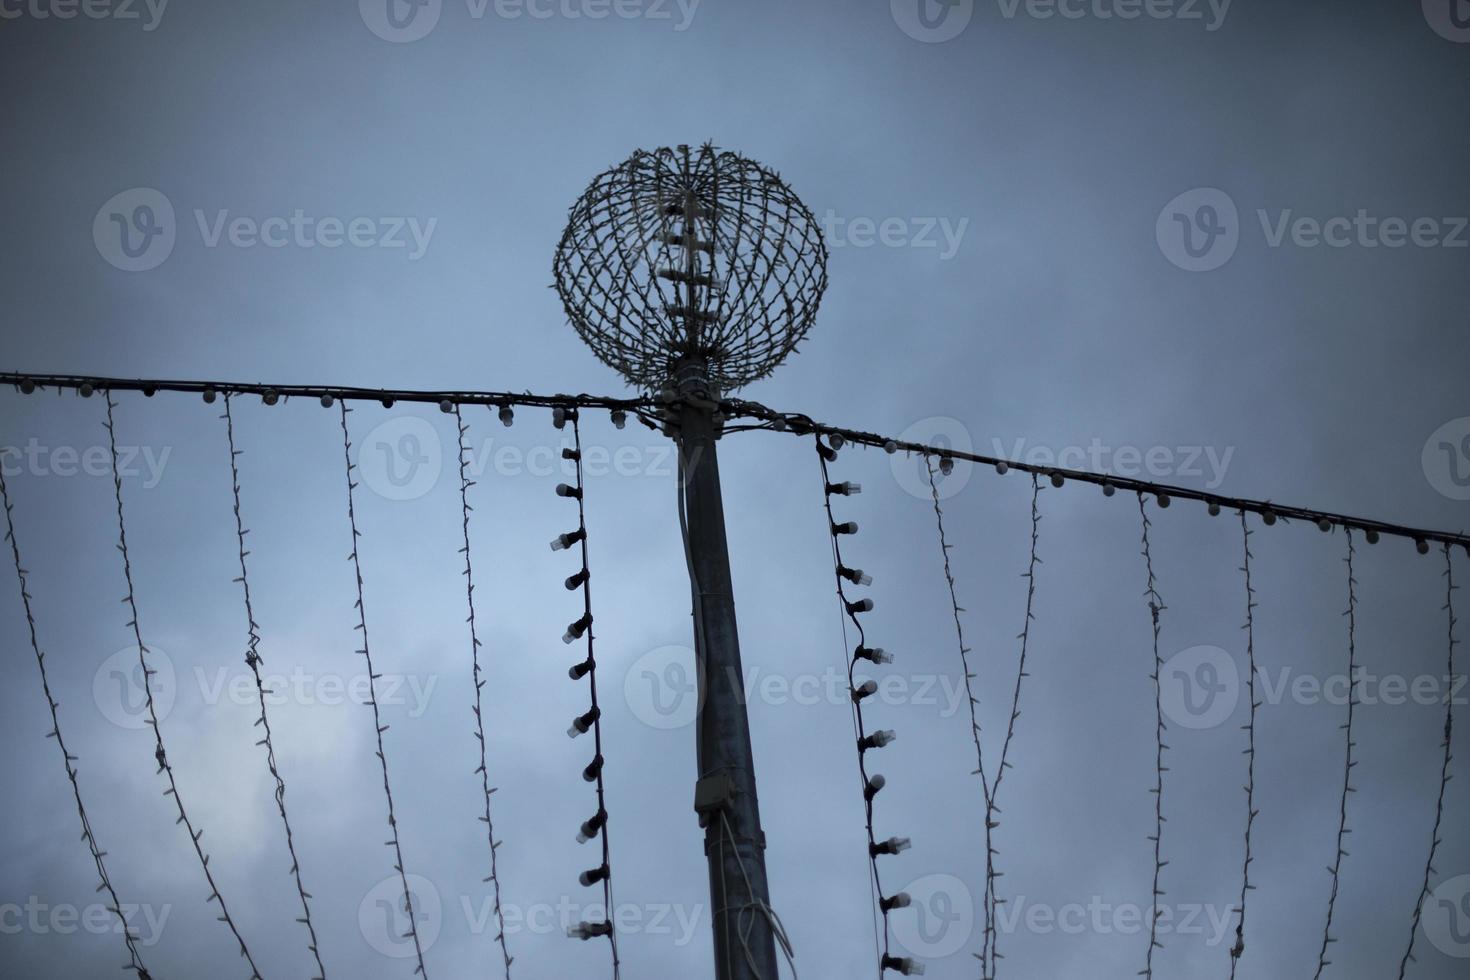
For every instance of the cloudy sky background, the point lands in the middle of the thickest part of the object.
(1055, 317)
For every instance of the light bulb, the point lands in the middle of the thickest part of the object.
(564, 541)
(507, 415)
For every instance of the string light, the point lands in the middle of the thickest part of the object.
(482, 770)
(591, 719)
(1335, 869)
(989, 955)
(1155, 608)
(129, 935)
(1250, 736)
(160, 756)
(378, 727)
(253, 660)
(1445, 759)
(860, 692)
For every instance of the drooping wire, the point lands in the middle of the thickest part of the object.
(993, 806)
(1250, 751)
(1155, 608)
(867, 741)
(254, 660)
(1444, 770)
(130, 940)
(965, 651)
(1335, 869)
(591, 720)
(159, 754)
(482, 770)
(378, 727)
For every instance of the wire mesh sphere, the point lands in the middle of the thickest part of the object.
(691, 255)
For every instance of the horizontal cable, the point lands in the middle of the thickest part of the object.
(646, 407)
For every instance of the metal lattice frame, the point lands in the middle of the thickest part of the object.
(691, 255)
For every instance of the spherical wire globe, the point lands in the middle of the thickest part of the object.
(691, 257)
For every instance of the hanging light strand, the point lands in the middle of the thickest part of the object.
(965, 651)
(1155, 608)
(1445, 759)
(130, 938)
(1335, 869)
(483, 769)
(1250, 742)
(866, 741)
(254, 660)
(993, 807)
(165, 767)
(365, 651)
(591, 720)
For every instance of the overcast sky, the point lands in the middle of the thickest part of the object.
(1221, 245)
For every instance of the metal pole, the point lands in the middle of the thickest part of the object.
(725, 795)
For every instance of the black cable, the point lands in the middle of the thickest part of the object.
(160, 756)
(135, 960)
(1155, 608)
(1335, 869)
(1250, 751)
(1444, 769)
(253, 660)
(482, 770)
(378, 727)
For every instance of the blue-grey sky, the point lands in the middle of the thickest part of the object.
(1222, 245)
